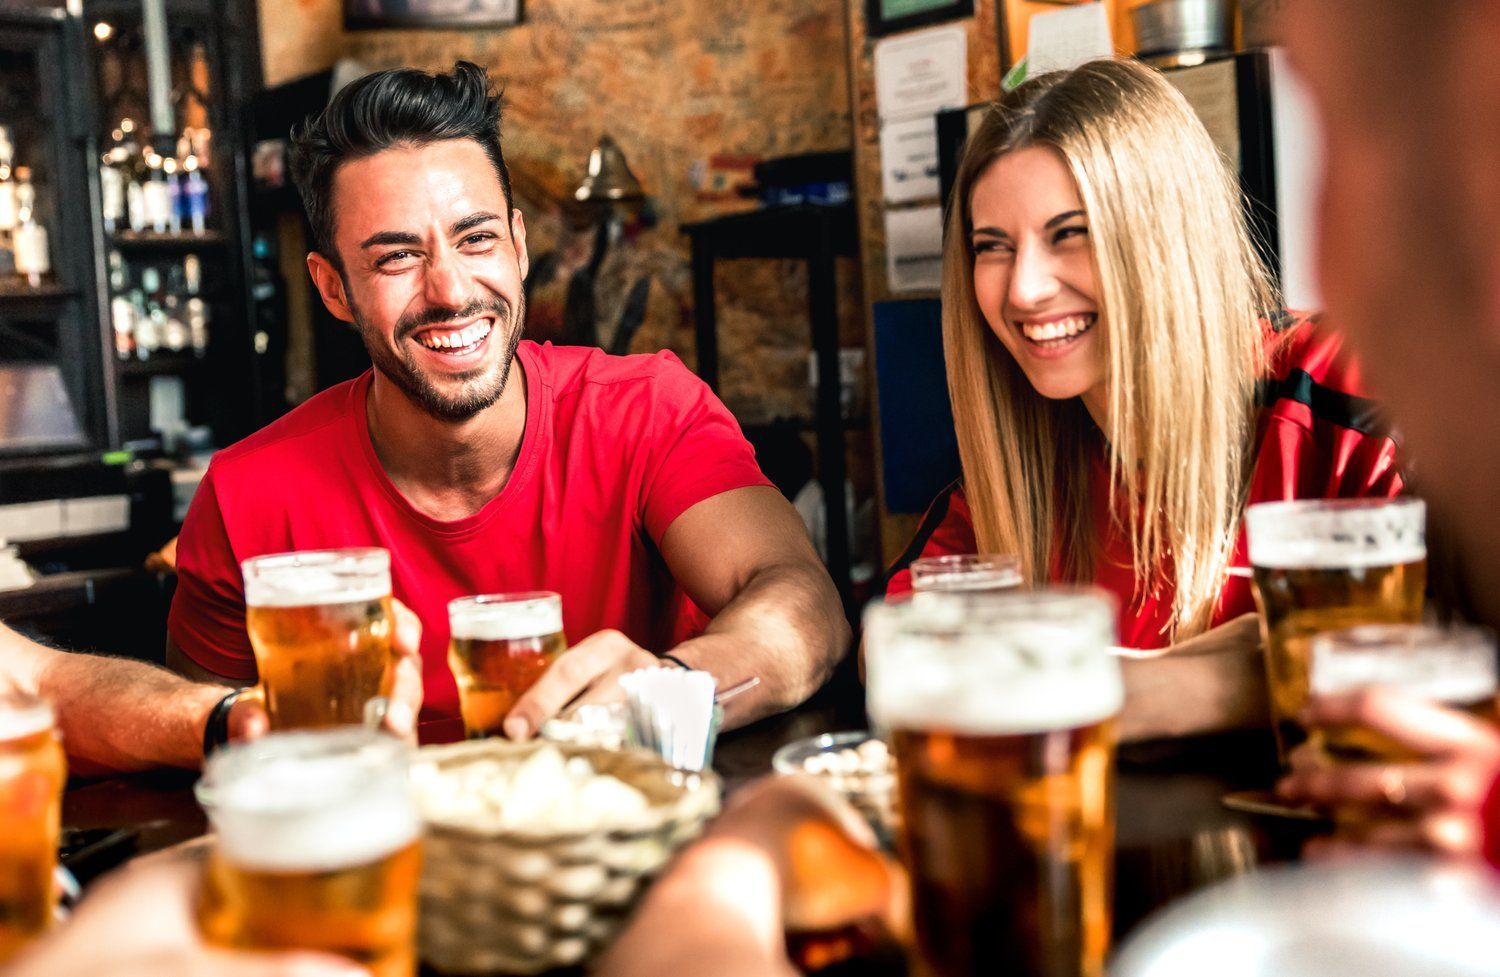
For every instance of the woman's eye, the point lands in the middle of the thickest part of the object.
(990, 247)
(1065, 233)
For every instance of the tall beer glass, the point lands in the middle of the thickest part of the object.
(1001, 709)
(501, 644)
(320, 624)
(318, 848)
(1321, 565)
(1452, 666)
(966, 572)
(32, 773)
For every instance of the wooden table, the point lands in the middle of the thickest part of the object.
(1173, 834)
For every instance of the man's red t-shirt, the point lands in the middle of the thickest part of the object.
(1316, 438)
(615, 449)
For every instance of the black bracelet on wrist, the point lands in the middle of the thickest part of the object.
(676, 661)
(216, 730)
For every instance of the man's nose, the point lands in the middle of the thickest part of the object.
(447, 284)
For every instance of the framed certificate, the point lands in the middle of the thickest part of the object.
(434, 14)
(884, 17)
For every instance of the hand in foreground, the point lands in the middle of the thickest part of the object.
(786, 855)
(1433, 802)
(589, 672)
(139, 923)
(248, 719)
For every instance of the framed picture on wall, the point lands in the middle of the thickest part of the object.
(884, 17)
(431, 14)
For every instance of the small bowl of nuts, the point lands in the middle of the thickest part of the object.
(857, 765)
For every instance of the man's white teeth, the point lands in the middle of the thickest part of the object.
(1057, 329)
(467, 336)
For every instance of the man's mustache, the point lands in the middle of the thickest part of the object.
(438, 315)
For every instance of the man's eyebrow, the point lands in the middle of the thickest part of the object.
(472, 221)
(390, 237)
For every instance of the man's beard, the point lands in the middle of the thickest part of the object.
(478, 390)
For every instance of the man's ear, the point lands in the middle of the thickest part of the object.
(518, 235)
(330, 285)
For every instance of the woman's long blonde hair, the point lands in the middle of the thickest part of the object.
(1181, 290)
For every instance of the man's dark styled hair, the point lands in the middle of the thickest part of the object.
(400, 107)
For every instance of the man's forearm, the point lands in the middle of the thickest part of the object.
(118, 714)
(1211, 683)
(785, 628)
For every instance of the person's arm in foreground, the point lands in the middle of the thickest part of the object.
(117, 713)
(1210, 683)
(1436, 802)
(787, 854)
(139, 923)
(744, 557)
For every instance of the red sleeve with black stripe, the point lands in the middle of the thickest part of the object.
(946, 530)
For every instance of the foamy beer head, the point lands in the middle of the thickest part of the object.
(1452, 666)
(317, 577)
(501, 644)
(506, 617)
(966, 572)
(993, 663)
(316, 801)
(1336, 534)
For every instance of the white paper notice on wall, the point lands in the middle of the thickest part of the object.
(916, 76)
(914, 249)
(1063, 39)
(921, 73)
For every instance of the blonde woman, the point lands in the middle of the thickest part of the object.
(1123, 383)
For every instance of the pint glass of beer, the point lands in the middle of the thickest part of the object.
(1453, 666)
(320, 623)
(1322, 565)
(318, 848)
(501, 644)
(966, 572)
(32, 773)
(1000, 709)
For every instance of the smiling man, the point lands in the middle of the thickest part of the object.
(485, 463)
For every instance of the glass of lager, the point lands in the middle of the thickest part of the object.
(1000, 710)
(320, 623)
(501, 644)
(32, 773)
(318, 848)
(1322, 565)
(1453, 666)
(966, 572)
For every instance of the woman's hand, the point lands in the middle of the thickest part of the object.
(1434, 802)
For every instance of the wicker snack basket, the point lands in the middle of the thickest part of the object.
(501, 899)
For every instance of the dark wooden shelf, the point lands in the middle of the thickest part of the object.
(160, 364)
(800, 231)
(60, 592)
(48, 296)
(150, 240)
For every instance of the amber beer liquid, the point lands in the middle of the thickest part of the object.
(317, 849)
(1453, 666)
(1001, 720)
(1322, 566)
(320, 624)
(32, 774)
(500, 645)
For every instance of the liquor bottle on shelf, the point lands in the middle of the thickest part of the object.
(121, 311)
(157, 193)
(113, 178)
(33, 254)
(197, 310)
(132, 165)
(8, 202)
(194, 196)
(150, 320)
(170, 168)
(174, 334)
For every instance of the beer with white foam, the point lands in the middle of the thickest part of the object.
(966, 572)
(1451, 666)
(500, 645)
(320, 623)
(1323, 565)
(32, 774)
(318, 848)
(1001, 712)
